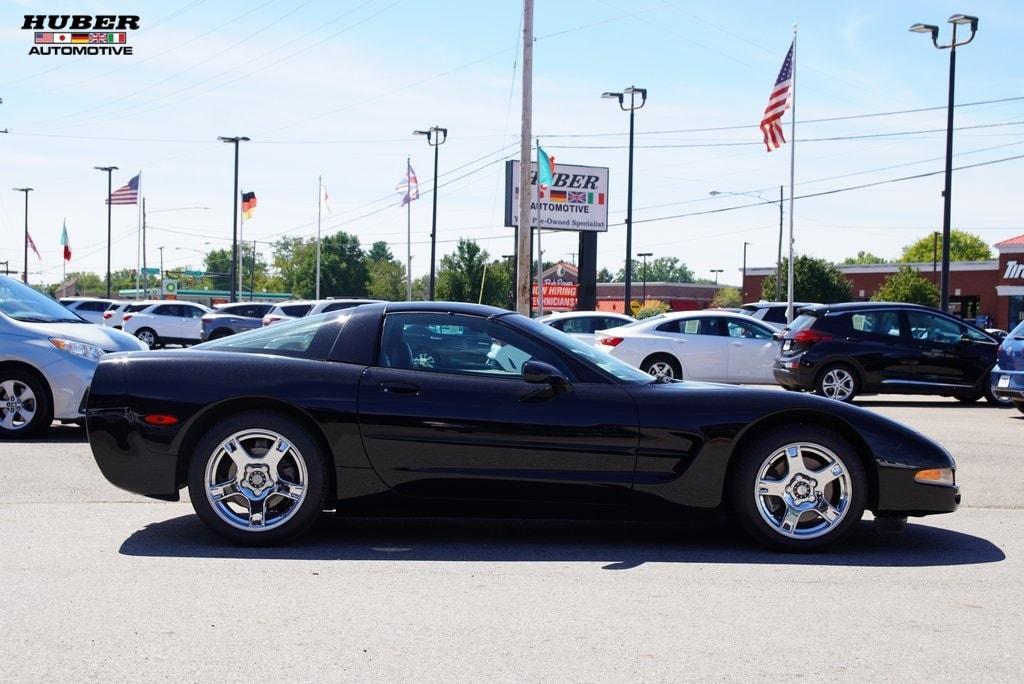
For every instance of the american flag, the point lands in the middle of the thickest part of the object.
(778, 103)
(408, 187)
(128, 194)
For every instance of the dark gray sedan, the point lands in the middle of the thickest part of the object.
(229, 319)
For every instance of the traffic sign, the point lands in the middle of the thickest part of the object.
(151, 271)
(194, 274)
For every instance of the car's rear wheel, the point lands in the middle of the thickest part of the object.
(148, 337)
(25, 407)
(993, 398)
(837, 382)
(1019, 405)
(799, 487)
(258, 478)
(662, 366)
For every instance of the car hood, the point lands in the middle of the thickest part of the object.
(107, 339)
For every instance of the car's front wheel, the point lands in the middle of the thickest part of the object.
(25, 407)
(258, 478)
(837, 382)
(148, 337)
(662, 366)
(799, 487)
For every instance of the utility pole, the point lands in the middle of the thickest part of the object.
(24, 276)
(233, 275)
(110, 190)
(644, 255)
(523, 233)
(161, 250)
(743, 283)
(319, 211)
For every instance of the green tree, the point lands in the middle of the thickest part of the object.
(907, 285)
(87, 284)
(343, 270)
(605, 276)
(653, 307)
(963, 246)
(727, 297)
(387, 280)
(218, 268)
(461, 276)
(379, 251)
(660, 270)
(814, 280)
(864, 258)
(420, 288)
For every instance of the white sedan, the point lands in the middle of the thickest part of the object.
(714, 346)
(584, 324)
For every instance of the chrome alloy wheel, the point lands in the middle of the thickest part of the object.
(147, 337)
(838, 383)
(661, 369)
(803, 490)
(17, 405)
(256, 480)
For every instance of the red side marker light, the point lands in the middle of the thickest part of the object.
(161, 419)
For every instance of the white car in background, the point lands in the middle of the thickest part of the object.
(583, 324)
(713, 346)
(158, 323)
(310, 307)
(89, 308)
(112, 316)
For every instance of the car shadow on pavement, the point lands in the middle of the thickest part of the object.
(941, 405)
(619, 545)
(56, 434)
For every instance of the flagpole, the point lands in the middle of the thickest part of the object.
(241, 251)
(792, 173)
(63, 261)
(319, 211)
(408, 228)
(145, 275)
(138, 237)
(540, 253)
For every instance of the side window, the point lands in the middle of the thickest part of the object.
(690, 326)
(167, 310)
(93, 306)
(775, 314)
(744, 330)
(669, 326)
(297, 310)
(932, 328)
(193, 311)
(558, 324)
(337, 306)
(461, 344)
(711, 326)
(883, 323)
(578, 325)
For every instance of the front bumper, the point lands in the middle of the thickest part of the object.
(900, 494)
(69, 378)
(1014, 388)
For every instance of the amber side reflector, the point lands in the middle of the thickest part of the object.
(159, 419)
(935, 475)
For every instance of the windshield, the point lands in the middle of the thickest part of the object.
(585, 352)
(22, 303)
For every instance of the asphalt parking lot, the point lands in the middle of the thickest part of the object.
(100, 584)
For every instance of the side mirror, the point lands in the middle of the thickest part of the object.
(540, 373)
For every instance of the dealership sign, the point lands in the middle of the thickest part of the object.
(577, 199)
(557, 297)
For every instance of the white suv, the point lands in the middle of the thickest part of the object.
(89, 308)
(286, 311)
(112, 316)
(165, 322)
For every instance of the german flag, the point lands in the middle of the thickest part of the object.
(79, 37)
(248, 204)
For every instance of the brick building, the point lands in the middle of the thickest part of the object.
(983, 291)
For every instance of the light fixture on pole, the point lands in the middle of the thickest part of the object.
(644, 255)
(110, 190)
(947, 192)
(436, 136)
(716, 271)
(233, 280)
(24, 276)
(633, 92)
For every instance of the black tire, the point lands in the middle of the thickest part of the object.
(299, 516)
(148, 337)
(1019, 405)
(662, 365)
(968, 398)
(29, 393)
(819, 444)
(837, 381)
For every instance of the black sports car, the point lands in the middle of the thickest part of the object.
(268, 428)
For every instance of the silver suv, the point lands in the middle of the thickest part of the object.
(47, 358)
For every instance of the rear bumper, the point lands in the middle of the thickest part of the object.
(792, 372)
(1014, 384)
(127, 459)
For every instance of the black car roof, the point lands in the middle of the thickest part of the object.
(819, 309)
(446, 307)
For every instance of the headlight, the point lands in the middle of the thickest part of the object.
(939, 476)
(86, 351)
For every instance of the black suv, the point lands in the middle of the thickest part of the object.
(841, 350)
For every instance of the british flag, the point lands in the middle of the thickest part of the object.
(576, 197)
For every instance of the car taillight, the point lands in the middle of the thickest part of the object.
(107, 315)
(810, 336)
(126, 317)
(611, 341)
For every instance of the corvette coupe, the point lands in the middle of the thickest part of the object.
(412, 404)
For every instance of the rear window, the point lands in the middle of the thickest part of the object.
(802, 322)
(775, 314)
(133, 308)
(297, 310)
(290, 338)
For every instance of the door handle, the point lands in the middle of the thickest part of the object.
(399, 388)
(737, 344)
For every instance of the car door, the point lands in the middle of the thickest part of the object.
(946, 351)
(700, 348)
(752, 351)
(191, 322)
(166, 321)
(465, 424)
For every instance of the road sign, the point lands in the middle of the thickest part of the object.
(194, 274)
(151, 271)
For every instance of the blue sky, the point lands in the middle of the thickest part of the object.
(337, 87)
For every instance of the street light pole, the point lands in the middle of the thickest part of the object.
(436, 136)
(743, 284)
(512, 270)
(947, 192)
(644, 255)
(110, 190)
(633, 92)
(778, 260)
(716, 271)
(161, 249)
(233, 272)
(24, 276)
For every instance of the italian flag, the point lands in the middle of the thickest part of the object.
(64, 241)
